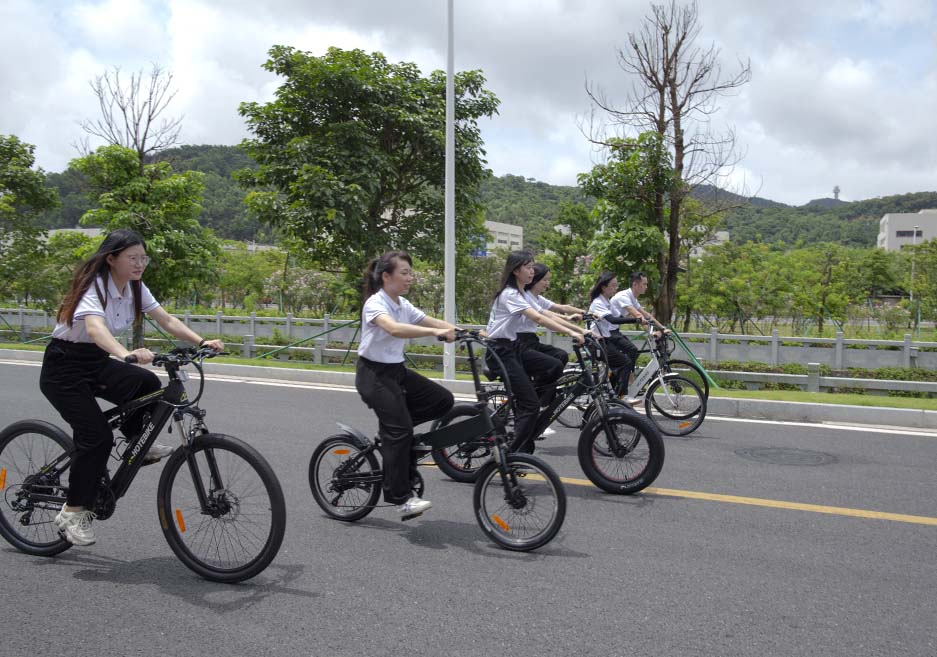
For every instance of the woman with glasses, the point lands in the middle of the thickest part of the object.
(106, 296)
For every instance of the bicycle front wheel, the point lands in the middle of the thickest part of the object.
(675, 405)
(622, 455)
(461, 462)
(523, 510)
(26, 448)
(234, 531)
(691, 371)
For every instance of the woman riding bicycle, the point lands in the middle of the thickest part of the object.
(105, 297)
(607, 321)
(399, 397)
(512, 312)
(527, 333)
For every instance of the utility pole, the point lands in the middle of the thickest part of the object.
(449, 244)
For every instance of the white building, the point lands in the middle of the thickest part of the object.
(897, 229)
(504, 236)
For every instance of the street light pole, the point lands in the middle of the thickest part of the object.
(449, 244)
(913, 244)
(917, 322)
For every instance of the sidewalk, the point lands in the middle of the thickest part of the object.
(752, 409)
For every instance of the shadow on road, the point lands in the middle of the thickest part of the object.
(173, 578)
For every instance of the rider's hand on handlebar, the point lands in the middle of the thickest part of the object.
(445, 335)
(214, 345)
(579, 339)
(141, 356)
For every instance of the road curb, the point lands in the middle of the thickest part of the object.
(751, 409)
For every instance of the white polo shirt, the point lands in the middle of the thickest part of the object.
(118, 315)
(376, 343)
(623, 299)
(504, 320)
(601, 308)
(538, 303)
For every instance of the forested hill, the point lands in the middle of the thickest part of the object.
(527, 202)
(515, 199)
(850, 224)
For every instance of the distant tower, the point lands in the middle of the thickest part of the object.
(836, 192)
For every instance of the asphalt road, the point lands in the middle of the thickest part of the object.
(710, 561)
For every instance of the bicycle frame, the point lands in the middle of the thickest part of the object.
(168, 404)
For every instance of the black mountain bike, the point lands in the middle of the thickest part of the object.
(220, 505)
(519, 501)
(619, 451)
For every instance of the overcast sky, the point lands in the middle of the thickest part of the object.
(843, 92)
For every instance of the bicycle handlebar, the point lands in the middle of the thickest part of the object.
(179, 356)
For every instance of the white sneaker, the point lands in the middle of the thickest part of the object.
(75, 526)
(413, 507)
(633, 401)
(548, 432)
(157, 452)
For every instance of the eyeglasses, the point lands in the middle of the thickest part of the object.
(139, 260)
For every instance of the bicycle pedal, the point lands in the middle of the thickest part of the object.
(410, 516)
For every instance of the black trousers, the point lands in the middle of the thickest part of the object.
(621, 358)
(544, 363)
(401, 399)
(72, 375)
(526, 400)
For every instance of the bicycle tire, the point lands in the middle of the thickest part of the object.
(338, 501)
(25, 448)
(540, 494)
(691, 371)
(573, 415)
(675, 405)
(216, 544)
(461, 462)
(627, 461)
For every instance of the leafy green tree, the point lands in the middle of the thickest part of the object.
(351, 155)
(565, 247)
(630, 211)
(159, 204)
(22, 194)
(675, 86)
(55, 266)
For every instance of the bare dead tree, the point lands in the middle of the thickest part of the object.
(131, 112)
(675, 86)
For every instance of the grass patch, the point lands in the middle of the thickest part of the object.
(829, 398)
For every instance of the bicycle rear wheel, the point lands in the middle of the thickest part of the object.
(675, 405)
(238, 531)
(338, 476)
(524, 512)
(25, 449)
(624, 458)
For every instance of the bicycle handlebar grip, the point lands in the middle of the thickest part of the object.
(130, 358)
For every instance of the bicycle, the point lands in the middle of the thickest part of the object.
(519, 500)
(685, 368)
(618, 450)
(674, 403)
(220, 505)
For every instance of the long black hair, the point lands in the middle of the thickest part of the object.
(604, 279)
(374, 273)
(515, 259)
(540, 270)
(87, 273)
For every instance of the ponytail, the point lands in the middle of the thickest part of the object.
(374, 272)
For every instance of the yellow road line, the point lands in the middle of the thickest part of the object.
(775, 504)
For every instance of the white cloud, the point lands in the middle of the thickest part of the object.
(842, 92)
